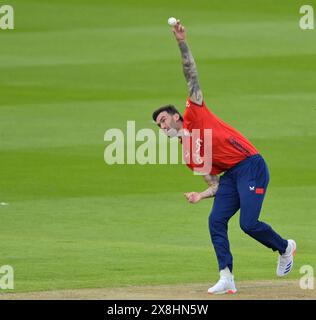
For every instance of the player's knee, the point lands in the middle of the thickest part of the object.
(248, 226)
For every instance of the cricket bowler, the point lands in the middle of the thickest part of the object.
(244, 174)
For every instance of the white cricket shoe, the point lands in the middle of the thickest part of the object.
(225, 283)
(286, 260)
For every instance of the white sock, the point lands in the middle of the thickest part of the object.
(226, 273)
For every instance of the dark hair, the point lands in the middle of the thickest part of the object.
(169, 108)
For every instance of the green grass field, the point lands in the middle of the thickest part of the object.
(73, 69)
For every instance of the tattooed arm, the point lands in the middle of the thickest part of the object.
(189, 66)
(212, 181)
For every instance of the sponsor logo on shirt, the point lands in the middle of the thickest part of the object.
(197, 156)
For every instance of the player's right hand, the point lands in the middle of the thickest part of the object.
(179, 31)
(193, 197)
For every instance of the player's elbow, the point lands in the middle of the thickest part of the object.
(196, 97)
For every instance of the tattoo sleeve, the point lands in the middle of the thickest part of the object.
(190, 73)
(213, 182)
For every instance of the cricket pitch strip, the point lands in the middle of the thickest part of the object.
(247, 290)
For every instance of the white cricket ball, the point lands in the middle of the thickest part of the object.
(172, 21)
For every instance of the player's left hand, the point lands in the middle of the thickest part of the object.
(193, 197)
